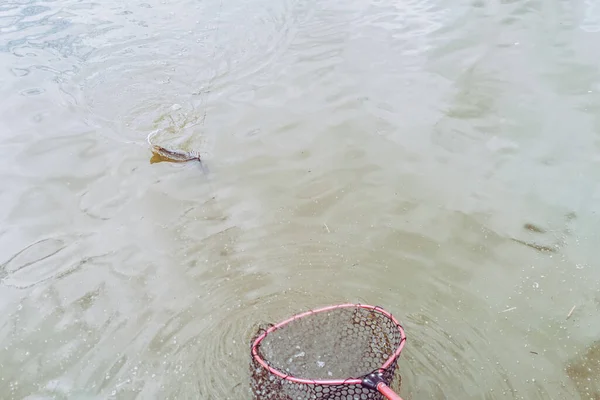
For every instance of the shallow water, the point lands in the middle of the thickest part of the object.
(439, 159)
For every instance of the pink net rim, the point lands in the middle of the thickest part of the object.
(349, 381)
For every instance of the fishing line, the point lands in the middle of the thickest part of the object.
(214, 57)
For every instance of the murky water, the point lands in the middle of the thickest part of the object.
(439, 159)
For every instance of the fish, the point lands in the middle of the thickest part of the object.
(538, 247)
(162, 153)
(534, 228)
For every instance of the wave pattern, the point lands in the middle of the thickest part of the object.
(411, 154)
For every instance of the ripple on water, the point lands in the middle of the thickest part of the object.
(131, 83)
(32, 254)
(165, 276)
(66, 322)
(41, 261)
(102, 332)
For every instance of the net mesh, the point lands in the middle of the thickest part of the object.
(339, 344)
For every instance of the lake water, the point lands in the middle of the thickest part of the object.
(440, 159)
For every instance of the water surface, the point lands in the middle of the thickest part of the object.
(437, 158)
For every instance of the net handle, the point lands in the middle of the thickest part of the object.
(375, 381)
(387, 392)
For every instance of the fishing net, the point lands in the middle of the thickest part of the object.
(329, 353)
